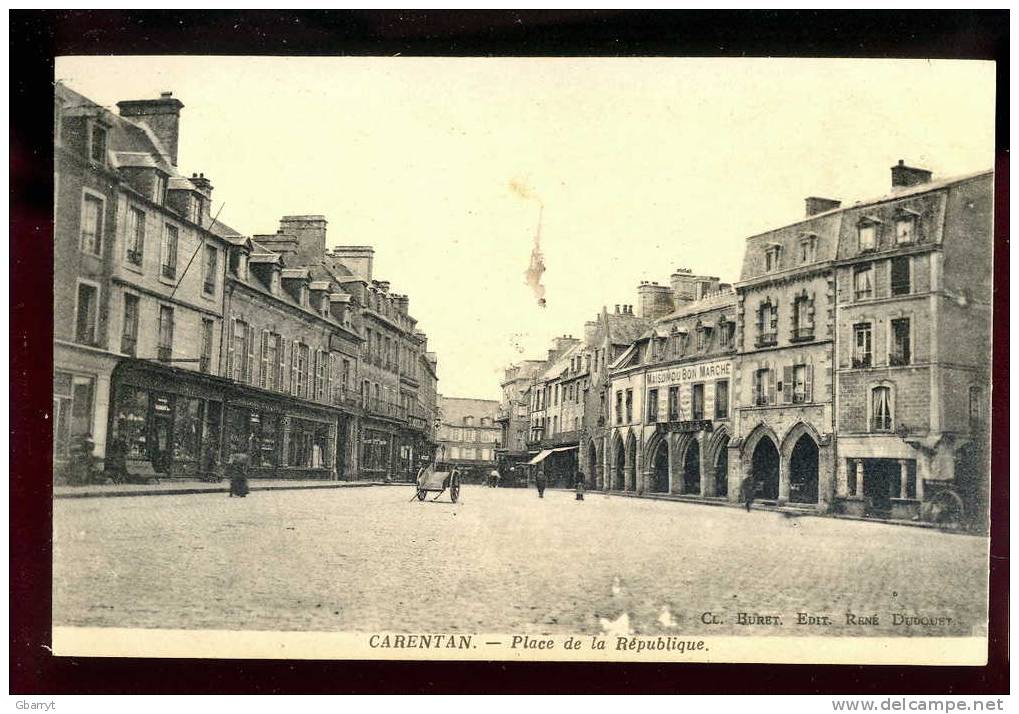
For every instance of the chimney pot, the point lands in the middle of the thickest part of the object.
(166, 95)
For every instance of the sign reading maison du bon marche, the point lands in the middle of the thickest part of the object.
(705, 372)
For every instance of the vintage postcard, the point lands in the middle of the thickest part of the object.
(595, 359)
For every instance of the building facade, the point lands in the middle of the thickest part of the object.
(514, 416)
(468, 436)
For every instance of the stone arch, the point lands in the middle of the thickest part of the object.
(793, 436)
(594, 465)
(618, 465)
(630, 463)
(717, 458)
(763, 461)
(659, 465)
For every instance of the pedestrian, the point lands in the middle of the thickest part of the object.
(580, 484)
(539, 481)
(237, 470)
(493, 478)
(746, 491)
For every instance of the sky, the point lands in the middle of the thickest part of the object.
(635, 167)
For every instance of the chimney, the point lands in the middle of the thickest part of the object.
(683, 286)
(903, 176)
(357, 259)
(590, 330)
(310, 232)
(653, 300)
(285, 245)
(816, 204)
(617, 309)
(204, 187)
(161, 115)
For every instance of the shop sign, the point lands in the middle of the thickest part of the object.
(720, 369)
(686, 426)
(161, 405)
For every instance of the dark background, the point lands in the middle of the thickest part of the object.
(37, 37)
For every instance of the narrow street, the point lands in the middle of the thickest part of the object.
(501, 560)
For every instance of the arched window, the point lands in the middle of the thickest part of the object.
(881, 409)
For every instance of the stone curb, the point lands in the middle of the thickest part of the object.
(220, 489)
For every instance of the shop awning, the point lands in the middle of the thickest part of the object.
(542, 455)
(565, 448)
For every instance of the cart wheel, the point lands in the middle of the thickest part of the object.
(454, 491)
(421, 495)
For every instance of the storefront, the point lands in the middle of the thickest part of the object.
(165, 422)
(81, 390)
(376, 454)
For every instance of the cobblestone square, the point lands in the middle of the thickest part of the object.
(501, 560)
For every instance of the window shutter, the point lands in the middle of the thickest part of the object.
(230, 349)
(249, 365)
(771, 386)
(263, 374)
(293, 367)
(774, 318)
(881, 278)
(787, 384)
(810, 311)
(808, 383)
(281, 349)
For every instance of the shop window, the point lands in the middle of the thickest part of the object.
(722, 399)
(900, 343)
(881, 409)
(862, 353)
(900, 280)
(91, 224)
(863, 282)
(135, 236)
(697, 402)
(652, 406)
(673, 403)
(169, 252)
(165, 345)
(131, 419)
(86, 328)
(187, 429)
(129, 334)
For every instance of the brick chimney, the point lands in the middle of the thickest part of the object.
(161, 115)
(816, 204)
(653, 300)
(357, 259)
(204, 187)
(310, 232)
(903, 176)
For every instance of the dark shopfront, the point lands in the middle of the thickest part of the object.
(165, 422)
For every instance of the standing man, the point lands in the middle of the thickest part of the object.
(580, 484)
(746, 491)
(539, 481)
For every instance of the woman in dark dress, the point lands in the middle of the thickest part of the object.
(237, 471)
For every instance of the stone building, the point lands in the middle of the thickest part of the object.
(671, 395)
(913, 345)
(783, 418)
(514, 415)
(554, 413)
(468, 436)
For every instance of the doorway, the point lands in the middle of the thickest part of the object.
(765, 469)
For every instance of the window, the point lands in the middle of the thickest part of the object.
(881, 409)
(205, 360)
(764, 387)
(863, 282)
(867, 233)
(767, 324)
(808, 249)
(135, 236)
(697, 402)
(797, 384)
(158, 189)
(165, 347)
(629, 406)
(72, 409)
(727, 331)
(803, 318)
(86, 328)
(195, 209)
(301, 371)
(722, 399)
(976, 403)
(97, 144)
(900, 275)
(619, 407)
(169, 253)
(905, 228)
(673, 403)
(272, 345)
(900, 353)
(862, 352)
(92, 224)
(652, 406)
(772, 258)
(129, 335)
(703, 337)
(210, 264)
(236, 355)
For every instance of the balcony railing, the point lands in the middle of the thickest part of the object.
(379, 407)
(761, 400)
(134, 257)
(862, 362)
(898, 360)
(767, 339)
(129, 344)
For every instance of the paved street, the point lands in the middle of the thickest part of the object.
(368, 559)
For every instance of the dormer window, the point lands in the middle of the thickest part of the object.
(195, 209)
(772, 257)
(867, 234)
(158, 189)
(808, 249)
(97, 143)
(274, 282)
(905, 227)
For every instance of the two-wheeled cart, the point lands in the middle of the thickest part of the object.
(431, 481)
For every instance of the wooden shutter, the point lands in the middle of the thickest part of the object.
(810, 312)
(230, 349)
(808, 383)
(294, 347)
(881, 278)
(281, 350)
(771, 386)
(774, 318)
(787, 384)
(249, 364)
(263, 374)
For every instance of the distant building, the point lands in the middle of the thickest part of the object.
(468, 436)
(514, 413)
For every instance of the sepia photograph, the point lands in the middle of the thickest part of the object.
(631, 359)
